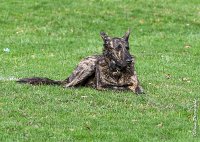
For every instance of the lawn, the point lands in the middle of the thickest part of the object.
(48, 38)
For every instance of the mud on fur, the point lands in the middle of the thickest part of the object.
(114, 69)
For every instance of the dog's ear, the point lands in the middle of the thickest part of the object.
(104, 36)
(126, 35)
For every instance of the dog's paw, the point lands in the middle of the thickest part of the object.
(139, 90)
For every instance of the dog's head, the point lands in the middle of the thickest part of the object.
(117, 50)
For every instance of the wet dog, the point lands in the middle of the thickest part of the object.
(114, 69)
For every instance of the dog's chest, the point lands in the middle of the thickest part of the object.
(110, 77)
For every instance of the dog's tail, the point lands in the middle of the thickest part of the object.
(39, 81)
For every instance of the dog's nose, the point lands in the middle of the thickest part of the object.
(129, 61)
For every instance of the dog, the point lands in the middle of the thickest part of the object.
(114, 69)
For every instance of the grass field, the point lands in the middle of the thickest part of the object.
(48, 39)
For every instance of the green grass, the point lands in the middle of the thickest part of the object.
(48, 39)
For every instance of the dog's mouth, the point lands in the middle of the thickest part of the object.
(120, 65)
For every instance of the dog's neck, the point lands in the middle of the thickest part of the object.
(111, 64)
(109, 60)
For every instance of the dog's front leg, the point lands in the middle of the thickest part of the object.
(135, 85)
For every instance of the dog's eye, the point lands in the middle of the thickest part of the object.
(127, 47)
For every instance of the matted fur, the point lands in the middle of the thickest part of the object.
(113, 69)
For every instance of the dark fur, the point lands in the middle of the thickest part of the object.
(114, 69)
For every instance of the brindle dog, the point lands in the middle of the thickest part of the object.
(114, 69)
